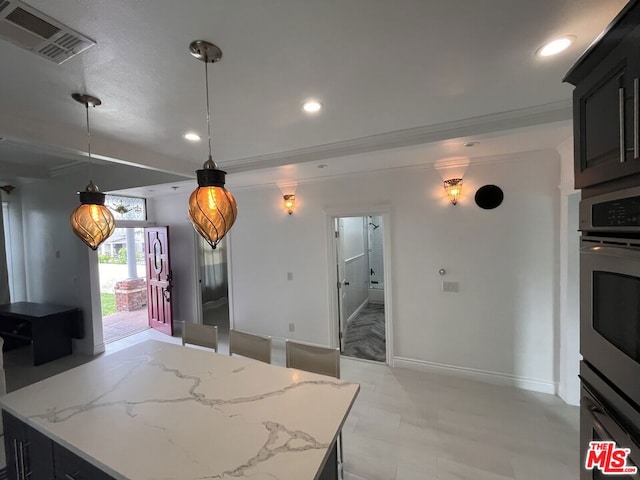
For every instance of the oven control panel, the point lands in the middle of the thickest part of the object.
(611, 212)
(624, 212)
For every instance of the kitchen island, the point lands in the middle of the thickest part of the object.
(163, 411)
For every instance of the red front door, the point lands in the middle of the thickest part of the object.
(156, 244)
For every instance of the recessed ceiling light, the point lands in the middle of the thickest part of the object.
(192, 137)
(555, 46)
(311, 106)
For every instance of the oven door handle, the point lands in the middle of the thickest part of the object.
(599, 250)
(595, 411)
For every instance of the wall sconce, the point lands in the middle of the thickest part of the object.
(290, 203)
(453, 187)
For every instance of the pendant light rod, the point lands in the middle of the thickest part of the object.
(206, 80)
(207, 52)
(87, 101)
(86, 107)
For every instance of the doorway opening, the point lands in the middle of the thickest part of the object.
(123, 284)
(360, 269)
(214, 286)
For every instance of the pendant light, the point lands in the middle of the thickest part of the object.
(91, 220)
(212, 208)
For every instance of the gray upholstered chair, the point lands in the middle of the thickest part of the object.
(313, 358)
(250, 345)
(201, 335)
(316, 359)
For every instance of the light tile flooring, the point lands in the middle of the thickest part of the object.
(411, 425)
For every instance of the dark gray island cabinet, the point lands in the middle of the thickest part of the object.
(34, 456)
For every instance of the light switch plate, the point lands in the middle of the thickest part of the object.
(450, 287)
(289, 275)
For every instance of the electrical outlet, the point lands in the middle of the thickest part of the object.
(292, 327)
(450, 287)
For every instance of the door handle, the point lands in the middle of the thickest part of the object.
(15, 457)
(346, 284)
(621, 119)
(636, 119)
(166, 294)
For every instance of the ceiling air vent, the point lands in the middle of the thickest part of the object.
(31, 29)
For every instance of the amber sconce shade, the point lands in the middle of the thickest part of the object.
(453, 187)
(290, 203)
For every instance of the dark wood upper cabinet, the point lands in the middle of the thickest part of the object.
(606, 103)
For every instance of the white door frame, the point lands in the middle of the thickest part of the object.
(96, 300)
(330, 215)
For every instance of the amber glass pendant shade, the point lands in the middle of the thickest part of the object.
(91, 221)
(212, 208)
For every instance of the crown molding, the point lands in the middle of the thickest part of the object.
(496, 122)
(68, 168)
(475, 162)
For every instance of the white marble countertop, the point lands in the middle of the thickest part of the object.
(163, 411)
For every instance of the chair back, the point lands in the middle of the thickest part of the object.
(313, 358)
(202, 335)
(249, 345)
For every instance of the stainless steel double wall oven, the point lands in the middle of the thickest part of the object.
(610, 322)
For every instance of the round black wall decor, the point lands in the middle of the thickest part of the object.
(489, 197)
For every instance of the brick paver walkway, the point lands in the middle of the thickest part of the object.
(123, 324)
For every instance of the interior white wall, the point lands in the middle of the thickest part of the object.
(354, 245)
(171, 210)
(376, 250)
(19, 292)
(569, 295)
(59, 267)
(501, 321)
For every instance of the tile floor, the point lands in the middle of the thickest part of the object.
(412, 425)
(365, 335)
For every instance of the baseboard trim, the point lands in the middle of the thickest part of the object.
(215, 303)
(496, 378)
(355, 314)
(100, 348)
(87, 348)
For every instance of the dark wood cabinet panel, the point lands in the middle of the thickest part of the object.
(34, 456)
(606, 104)
(29, 452)
(606, 117)
(68, 466)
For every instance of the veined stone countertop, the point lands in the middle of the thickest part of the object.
(163, 411)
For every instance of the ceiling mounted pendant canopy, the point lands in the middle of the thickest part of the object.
(212, 208)
(91, 220)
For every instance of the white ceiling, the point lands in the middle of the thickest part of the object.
(390, 74)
